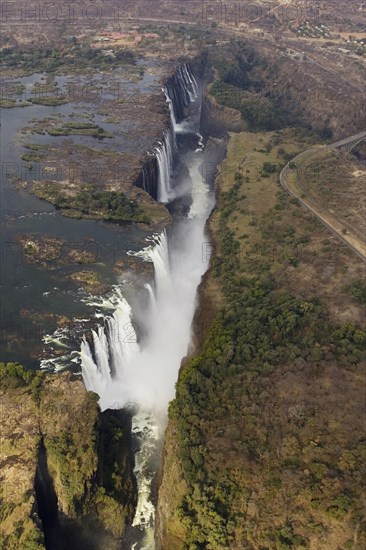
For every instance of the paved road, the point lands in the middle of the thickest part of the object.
(355, 244)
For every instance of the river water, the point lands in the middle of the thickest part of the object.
(31, 296)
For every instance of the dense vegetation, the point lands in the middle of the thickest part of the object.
(14, 375)
(258, 111)
(357, 290)
(236, 86)
(108, 205)
(116, 486)
(113, 205)
(224, 435)
(243, 80)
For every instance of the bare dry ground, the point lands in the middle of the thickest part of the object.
(337, 182)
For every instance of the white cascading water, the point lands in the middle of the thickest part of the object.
(189, 85)
(165, 153)
(121, 369)
(178, 127)
(190, 82)
(173, 122)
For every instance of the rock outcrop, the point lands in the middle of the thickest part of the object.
(66, 468)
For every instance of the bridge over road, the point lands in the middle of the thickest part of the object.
(351, 239)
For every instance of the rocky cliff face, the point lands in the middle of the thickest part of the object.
(218, 119)
(66, 468)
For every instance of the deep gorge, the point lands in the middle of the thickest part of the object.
(177, 255)
(245, 391)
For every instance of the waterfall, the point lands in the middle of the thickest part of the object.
(108, 358)
(173, 122)
(92, 376)
(160, 258)
(152, 297)
(145, 372)
(190, 82)
(125, 363)
(114, 359)
(180, 92)
(165, 153)
(178, 127)
(144, 180)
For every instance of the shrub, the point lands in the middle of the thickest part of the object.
(357, 289)
(13, 375)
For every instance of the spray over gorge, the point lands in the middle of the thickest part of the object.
(135, 356)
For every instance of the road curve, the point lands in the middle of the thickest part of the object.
(357, 246)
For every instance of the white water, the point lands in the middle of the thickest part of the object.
(124, 371)
(145, 373)
(118, 365)
(167, 150)
(190, 85)
(121, 368)
(144, 426)
(165, 153)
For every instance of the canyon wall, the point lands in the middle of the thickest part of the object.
(67, 469)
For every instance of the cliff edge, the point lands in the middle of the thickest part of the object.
(66, 468)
